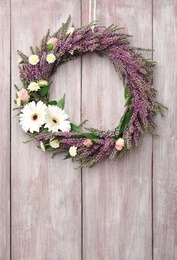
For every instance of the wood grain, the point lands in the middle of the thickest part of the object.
(117, 201)
(165, 147)
(5, 131)
(107, 214)
(46, 193)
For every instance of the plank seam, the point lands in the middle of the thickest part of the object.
(82, 253)
(10, 188)
(152, 198)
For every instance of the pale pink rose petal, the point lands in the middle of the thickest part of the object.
(52, 41)
(23, 95)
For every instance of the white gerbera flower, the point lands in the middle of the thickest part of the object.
(56, 119)
(73, 151)
(54, 143)
(33, 86)
(33, 59)
(33, 116)
(50, 58)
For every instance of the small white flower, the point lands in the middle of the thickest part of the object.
(42, 146)
(18, 102)
(54, 143)
(19, 60)
(70, 31)
(32, 116)
(73, 151)
(33, 86)
(50, 58)
(56, 119)
(33, 59)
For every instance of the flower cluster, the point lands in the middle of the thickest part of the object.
(47, 122)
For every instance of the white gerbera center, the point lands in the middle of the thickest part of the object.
(55, 120)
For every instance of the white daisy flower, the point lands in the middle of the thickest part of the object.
(50, 58)
(56, 119)
(73, 151)
(33, 59)
(33, 116)
(33, 86)
(70, 31)
(54, 143)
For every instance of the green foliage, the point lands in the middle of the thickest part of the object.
(61, 102)
(44, 91)
(128, 101)
(125, 120)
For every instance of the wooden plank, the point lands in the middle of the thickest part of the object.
(5, 131)
(46, 194)
(165, 147)
(117, 221)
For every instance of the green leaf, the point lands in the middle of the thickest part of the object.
(53, 103)
(49, 47)
(89, 135)
(61, 102)
(126, 120)
(76, 128)
(125, 91)
(128, 101)
(67, 156)
(43, 91)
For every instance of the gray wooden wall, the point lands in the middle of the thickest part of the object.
(123, 210)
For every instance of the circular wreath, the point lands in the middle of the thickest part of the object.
(47, 122)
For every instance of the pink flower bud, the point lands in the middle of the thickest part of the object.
(52, 41)
(23, 95)
(42, 83)
(88, 143)
(120, 143)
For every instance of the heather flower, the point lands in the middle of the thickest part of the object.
(32, 116)
(54, 143)
(23, 95)
(50, 58)
(33, 86)
(120, 143)
(87, 142)
(56, 119)
(33, 59)
(73, 151)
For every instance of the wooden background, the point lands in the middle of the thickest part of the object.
(123, 210)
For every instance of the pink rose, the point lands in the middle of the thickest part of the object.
(52, 41)
(23, 95)
(120, 143)
(88, 143)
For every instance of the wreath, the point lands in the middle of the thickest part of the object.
(47, 122)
